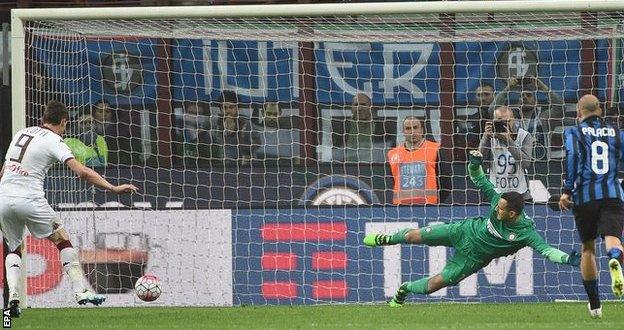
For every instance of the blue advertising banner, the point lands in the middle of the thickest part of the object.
(298, 256)
(269, 71)
(258, 71)
(121, 71)
(391, 73)
(556, 63)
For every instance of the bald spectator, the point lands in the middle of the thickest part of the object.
(278, 135)
(360, 130)
(420, 175)
(510, 150)
(363, 138)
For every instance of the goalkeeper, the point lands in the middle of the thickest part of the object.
(477, 241)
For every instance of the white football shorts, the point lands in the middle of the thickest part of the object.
(34, 213)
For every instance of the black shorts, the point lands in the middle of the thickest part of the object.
(602, 217)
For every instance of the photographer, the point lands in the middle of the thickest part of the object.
(511, 149)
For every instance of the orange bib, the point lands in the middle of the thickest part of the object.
(414, 172)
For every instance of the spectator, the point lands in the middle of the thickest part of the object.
(278, 135)
(122, 129)
(232, 131)
(363, 134)
(510, 149)
(470, 125)
(102, 116)
(272, 117)
(484, 95)
(195, 142)
(416, 169)
(360, 130)
(89, 144)
(538, 119)
(41, 89)
(614, 114)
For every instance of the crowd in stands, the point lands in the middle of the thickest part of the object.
(513, 127)
(230, 133)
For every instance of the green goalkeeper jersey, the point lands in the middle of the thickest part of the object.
(487, 238)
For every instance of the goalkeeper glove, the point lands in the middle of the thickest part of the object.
(574, 259)
(476, 158)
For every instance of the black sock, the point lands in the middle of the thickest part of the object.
(591, 287)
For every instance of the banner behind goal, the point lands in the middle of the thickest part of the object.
(259, 137)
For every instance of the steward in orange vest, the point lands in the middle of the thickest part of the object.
(414, 166)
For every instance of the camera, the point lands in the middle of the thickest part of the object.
(500, 126)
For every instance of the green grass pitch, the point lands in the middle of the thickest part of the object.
(526, 316)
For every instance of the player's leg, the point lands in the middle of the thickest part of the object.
(43, 223)
(423, 286)
(13, 266)
(435, 235)
(589, 274)
(456, 269)
(610, 226)
(615, 255)
(13, 232)
(584, 216)
(71, 266)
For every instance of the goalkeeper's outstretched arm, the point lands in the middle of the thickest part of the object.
(478, 177)
(553, 254)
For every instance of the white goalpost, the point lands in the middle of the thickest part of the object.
(270, 207)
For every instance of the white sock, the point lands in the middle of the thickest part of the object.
(13, 266)
(71, 266)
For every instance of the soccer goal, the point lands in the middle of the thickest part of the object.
(259, 138)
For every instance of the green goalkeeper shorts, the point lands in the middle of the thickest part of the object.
(459, 266)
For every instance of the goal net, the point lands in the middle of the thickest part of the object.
(260, 137)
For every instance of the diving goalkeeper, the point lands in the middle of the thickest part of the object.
(477, 241)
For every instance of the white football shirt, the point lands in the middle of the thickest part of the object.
(32, 152)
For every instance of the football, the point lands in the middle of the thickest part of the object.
(147, 287)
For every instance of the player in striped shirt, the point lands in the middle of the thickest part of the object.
(592, 190)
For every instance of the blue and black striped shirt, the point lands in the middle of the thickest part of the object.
(593, 152)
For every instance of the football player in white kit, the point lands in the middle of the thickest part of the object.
(32, 152)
